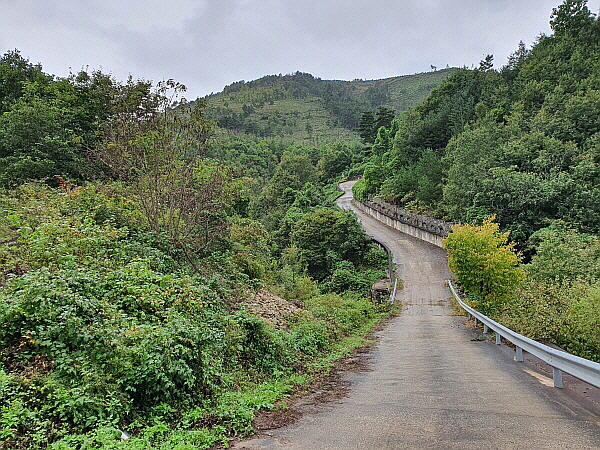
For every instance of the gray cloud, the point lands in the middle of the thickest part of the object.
(207, 44)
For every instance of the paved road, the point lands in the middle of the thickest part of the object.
(432, 387)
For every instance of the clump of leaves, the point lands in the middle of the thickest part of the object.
(485, 264)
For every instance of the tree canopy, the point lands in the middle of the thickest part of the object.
(519, 142)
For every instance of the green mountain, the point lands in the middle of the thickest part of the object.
(305, 109)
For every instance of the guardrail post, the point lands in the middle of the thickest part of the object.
(519, 354)
(476, 321)
(393, 296)
(557, 377)
(584, 369)
(485, 328)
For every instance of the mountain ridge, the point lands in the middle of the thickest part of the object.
(307, 109)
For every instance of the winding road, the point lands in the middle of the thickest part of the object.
(432, 385)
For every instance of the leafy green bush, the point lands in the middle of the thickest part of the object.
(326, 237)
(359, 190)
(485, 264)
(346, 278)
(560, 301)
(260, 347)
(584, 316)
(376, 258)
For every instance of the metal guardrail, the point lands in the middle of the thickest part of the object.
(393, 296)
(391, 273)
(584, 369)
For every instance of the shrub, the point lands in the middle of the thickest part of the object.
(485, 264)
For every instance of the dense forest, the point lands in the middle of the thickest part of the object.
(520, 144)
(171, 267)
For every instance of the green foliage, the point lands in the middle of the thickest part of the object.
(107, 331)
(119, 301)
(566, 313)
(585, 324)
(359, 190)
(342, 315)
(293, 172)
(485, 264)
(334, 161)
(326, 237)
(38, 141)
(253, 246)
(541, 311)
(301, 108)
(262, 348)
(159, 153)
(469, 157)
(564, 255)
(421, 181)
(255, 158)
(514, 142)
(572, 17)
(560, 301)
(48, 125)
(367, 127)
(346, 278)
(15, 71)
(370, 123)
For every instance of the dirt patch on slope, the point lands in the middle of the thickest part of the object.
(271, 308)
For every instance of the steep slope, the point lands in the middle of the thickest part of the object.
(302, 108)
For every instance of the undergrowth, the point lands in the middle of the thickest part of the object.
(108, 342)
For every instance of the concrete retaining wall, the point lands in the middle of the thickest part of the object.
(422, 227)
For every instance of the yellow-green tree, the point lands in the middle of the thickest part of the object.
(485, 264)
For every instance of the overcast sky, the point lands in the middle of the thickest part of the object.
(207, 44)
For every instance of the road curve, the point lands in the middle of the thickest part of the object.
(431, 386)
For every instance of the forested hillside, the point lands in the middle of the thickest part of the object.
(302, 108)
(520, 143)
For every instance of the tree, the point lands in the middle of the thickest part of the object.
(515, 59)
(292, 172)
(14, 71)
(485, 264)
(486, 64)
(49, 124)
(564, 254)
(523, 202)
(159, 150)
(327, 236)
(572, 17)
(371, 123)
(35, 143)
(384, 117)
(421, 180)
(367, 127)
(336, 158)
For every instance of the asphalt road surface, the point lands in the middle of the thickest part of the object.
(432, 386)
